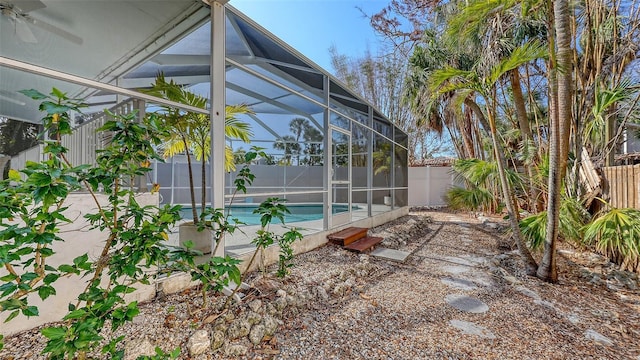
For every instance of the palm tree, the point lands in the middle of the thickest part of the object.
(297, 127)
(189, 132)
(560, 120)
(289, 145)
(450, 80)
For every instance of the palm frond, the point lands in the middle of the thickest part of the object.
(616, 234)
(475, 198)
(573, 216)
(448, 79)
(521, 55)
(534, 229)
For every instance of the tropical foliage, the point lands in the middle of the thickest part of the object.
(522, 88)
(189, 132)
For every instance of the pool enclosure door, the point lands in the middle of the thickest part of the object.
(340, 177)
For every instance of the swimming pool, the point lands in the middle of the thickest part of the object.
(299, 212)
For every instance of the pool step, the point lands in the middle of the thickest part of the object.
(348, 235)
(355, 239)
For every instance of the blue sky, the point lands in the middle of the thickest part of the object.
(312, 26)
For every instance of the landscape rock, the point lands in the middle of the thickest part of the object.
(199, 343)
(256, 334)
(472, 329)
(322, 293)
(466, 303)
(218, 340)
(235, 350)
(238, 328)
(138, 347)
(270, 309)
(256, 305)
(270, 325)
(280, 303)
(253, 317)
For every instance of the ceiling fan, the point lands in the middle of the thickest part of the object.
(22, 22)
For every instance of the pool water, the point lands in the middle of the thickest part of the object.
(299, 212)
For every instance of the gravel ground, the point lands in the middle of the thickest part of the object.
(364, 307)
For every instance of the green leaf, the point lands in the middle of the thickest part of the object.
(54, 333)
(7, 288)
(75, 314)
(40, 179)
(80, 260)
(34, 94)
(65, 268)
(12, 316)
(30, 311)
(8, 278)
(28, 276)
(14, 175)
(45, 291)
(57, 93)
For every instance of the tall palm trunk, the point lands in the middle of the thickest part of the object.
(507, 195)
(194, 210)
(560, 120)
(203, 195)
(525, 131)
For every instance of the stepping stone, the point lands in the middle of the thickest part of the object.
(573, 318)
(461, 284)
(528, 292)
(545, 304)
(482, 279)
(458, 260)
(466, 303)
(597, 337)
(470, 328)
(474, 260)
(455, 269)
(390, 254)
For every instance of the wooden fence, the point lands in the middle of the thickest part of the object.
(622, 186)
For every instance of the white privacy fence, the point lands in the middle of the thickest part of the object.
(428, 185)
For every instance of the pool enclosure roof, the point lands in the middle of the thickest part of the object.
(126, 43)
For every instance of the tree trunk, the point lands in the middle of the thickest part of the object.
(194, 211)
(203, 195)
(507, 195)
(525, 131)
(560, 127)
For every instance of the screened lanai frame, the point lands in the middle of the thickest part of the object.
(280, 91)
(374, 144)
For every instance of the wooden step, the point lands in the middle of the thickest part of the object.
(364, 244)
(348, 235)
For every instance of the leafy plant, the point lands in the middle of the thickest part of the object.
(473, 198)
(573, 216)
(32, 210)
(133, 233)
(189, 132)
(616, 234)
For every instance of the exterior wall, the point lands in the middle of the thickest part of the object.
(633, 142)
(428, 185)
(78, 240)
